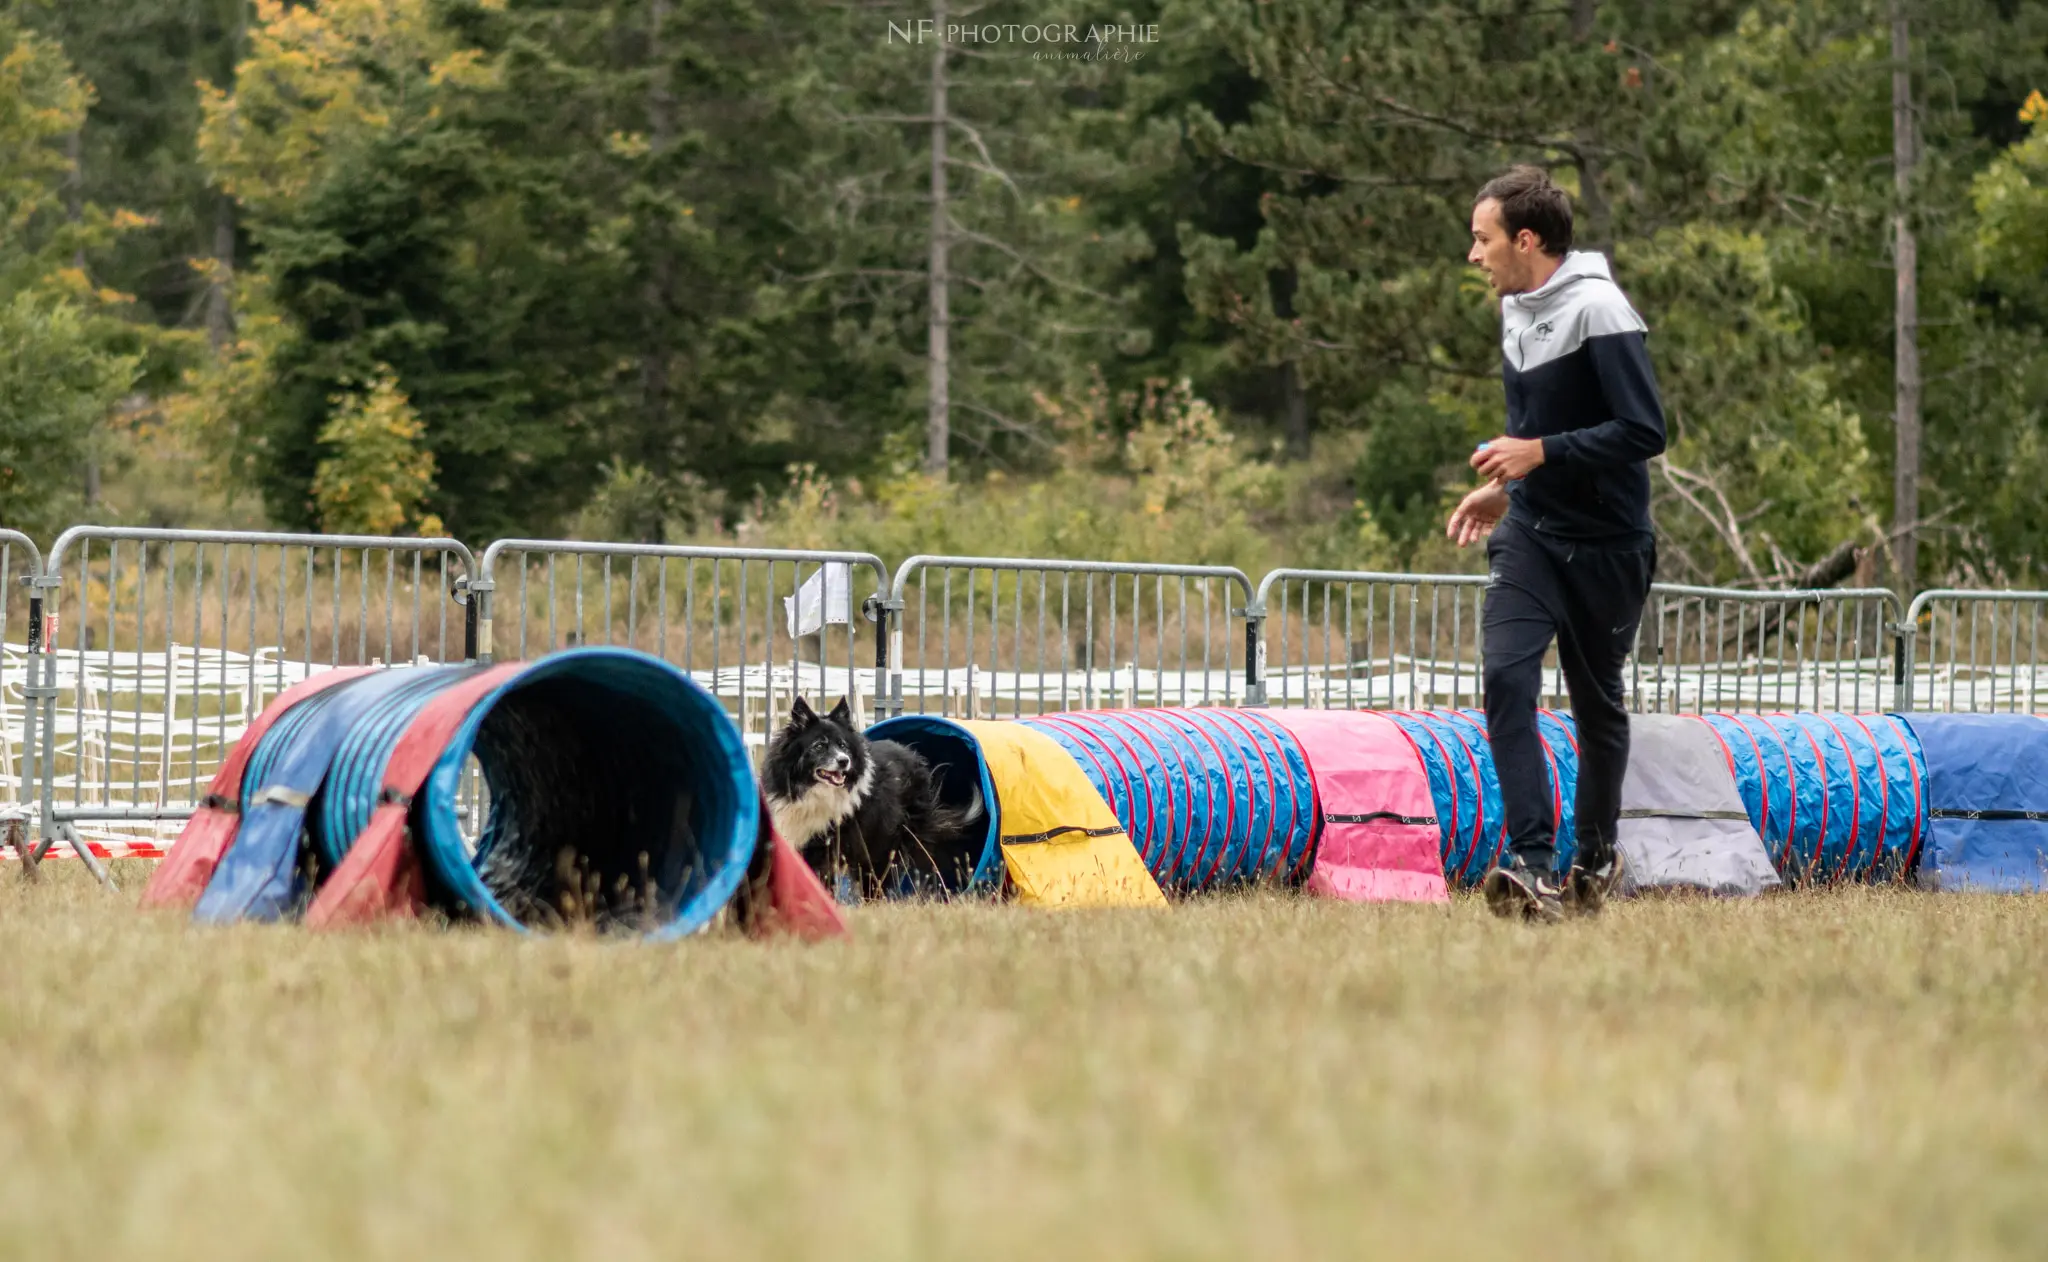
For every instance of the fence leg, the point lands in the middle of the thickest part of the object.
(476, 621)
(43, 694)
(31, 711)
(888, 655)
(1255, 656)
(1904, 634)
(89, 859)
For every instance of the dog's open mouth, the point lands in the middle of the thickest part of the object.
(837, 779)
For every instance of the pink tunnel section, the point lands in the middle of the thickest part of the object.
(1380, 839)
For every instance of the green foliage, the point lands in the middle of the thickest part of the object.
(630, 262)
(2011, 197)
(1767, 462)
(56, 384)
(375, 475)
(64, 365)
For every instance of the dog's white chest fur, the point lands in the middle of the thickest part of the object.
(811, 813)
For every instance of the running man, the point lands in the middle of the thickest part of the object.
(1571, 551)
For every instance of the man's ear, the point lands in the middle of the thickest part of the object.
(842, 714)
(801, 715)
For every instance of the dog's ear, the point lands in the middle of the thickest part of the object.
(842, 714)
(800, 715)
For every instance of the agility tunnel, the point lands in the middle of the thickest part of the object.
(1369, 805)
(618, 792)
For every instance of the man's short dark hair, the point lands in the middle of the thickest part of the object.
(1529, 200)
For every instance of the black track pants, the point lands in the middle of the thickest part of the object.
(1590, 599)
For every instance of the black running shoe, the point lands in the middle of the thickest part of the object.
(1517, 891)
(1586, 890)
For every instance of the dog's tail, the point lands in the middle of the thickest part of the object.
(951, 820)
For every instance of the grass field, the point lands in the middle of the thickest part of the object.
(1852, 1075)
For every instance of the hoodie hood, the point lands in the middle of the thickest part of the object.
(1578, 265)
(1579, 301)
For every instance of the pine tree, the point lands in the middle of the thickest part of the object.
(953, 249)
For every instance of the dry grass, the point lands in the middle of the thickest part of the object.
(1853, 1075)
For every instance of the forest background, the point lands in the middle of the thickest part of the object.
(1188, 286)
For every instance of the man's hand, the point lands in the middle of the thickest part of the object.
(1478, 513)
(1507, 459)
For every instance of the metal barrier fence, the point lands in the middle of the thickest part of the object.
(1986, 660)
(988, 637)
(161, 645)
(1351, 639)
(131, 659)
(757, 627)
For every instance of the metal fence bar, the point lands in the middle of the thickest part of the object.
(1156, 626)
(196, 642)
(728, 617)
(1991, 664)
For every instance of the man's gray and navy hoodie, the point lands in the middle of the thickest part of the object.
(1578, 376)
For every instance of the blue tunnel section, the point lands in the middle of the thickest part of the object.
(1835, 797)
(350, 796)
(1210, 797)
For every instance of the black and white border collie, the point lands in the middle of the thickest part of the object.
(873, 806)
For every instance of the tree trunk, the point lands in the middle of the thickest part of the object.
(939, 406)
(1295, 419)
(74, 211)
(74, 185)
(220, 316)
(1598, 228)
(656, 388)
(1906, 469)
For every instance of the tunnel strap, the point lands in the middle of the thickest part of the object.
(1661, 812)
(1373, 817)
(1026, 839)
(1998, 814)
